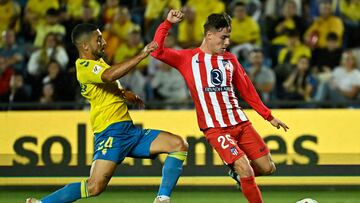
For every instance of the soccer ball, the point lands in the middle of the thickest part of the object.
(307, 200)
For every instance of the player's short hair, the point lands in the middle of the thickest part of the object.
(217, 21)
(81, 30)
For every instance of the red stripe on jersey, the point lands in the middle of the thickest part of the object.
(219, 96)
(204, 79)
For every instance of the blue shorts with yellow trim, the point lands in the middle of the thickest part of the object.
(123, 139)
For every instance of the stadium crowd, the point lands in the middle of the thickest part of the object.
(292, 50)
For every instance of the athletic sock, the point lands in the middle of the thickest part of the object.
(171, 172)
(251, 190)
(68, 193)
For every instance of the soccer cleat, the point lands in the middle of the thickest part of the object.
(32, 200)
(157, 200)
(236, 177)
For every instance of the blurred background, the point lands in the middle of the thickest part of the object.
(303, 56)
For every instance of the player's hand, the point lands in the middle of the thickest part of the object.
(175, 16)
(152, 46)
(278, 123)
(134, 99)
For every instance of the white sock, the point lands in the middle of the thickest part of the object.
(163, 197)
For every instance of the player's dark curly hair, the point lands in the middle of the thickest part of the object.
(217, 21)
(81, 30)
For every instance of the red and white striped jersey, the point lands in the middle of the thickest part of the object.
(211, 80)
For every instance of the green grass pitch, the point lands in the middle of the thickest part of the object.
(115, 195)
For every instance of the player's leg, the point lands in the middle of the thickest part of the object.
(256, 150)
(154, 142)
(247, 180)
(176, 147)
(101, 172)
(225, 144)
(263, 165)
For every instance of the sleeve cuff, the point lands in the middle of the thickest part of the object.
(270, 117)
(167, 23)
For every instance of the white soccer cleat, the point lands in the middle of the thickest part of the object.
(158, 200)
(307, 200)
(32, 200)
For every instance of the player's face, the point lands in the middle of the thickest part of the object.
(97, 44)
(219, 40)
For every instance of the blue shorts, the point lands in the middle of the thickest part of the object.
(123, 139)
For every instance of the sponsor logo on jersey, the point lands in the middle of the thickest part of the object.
(217, 89)
(216, 77)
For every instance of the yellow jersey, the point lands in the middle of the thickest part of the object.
(107, 104)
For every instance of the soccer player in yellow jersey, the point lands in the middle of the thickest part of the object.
(116, 137)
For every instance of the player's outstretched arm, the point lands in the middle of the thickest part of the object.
(278, 123)
(118, 70)
(170, 56)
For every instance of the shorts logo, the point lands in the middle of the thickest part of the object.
(234, 151)
(96, 69)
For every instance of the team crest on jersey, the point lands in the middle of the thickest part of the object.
(234, 151)
(226, 64)
(96, 69)
(216, 77)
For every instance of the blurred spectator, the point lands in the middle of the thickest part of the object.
(9, 15)
(349, 12)
(156, 8)
(35, 11)
(20, 92)
(39, 60)
(324, 60)
(261, 76)
(344, 84)
(272, 10)
(5, 75)
(187, 37)
(294, 49)
(63, 87)
(198, 11)
(76, 8)
(51, 50)
(11, 51)
(300, 84)
(51, 24)
(289, 20)
(134, 80)
(290, 55)
(244, 28)
(109, 9)
(47, 95)
(117, 32)
(316, 34)
(168, 84)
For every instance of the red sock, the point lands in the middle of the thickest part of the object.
(251, 190)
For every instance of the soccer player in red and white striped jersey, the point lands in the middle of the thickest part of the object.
(212, 74)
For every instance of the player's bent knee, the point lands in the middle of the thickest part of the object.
(243, 168)
(95, 189)
(269, 169)
(180, 144)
